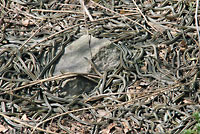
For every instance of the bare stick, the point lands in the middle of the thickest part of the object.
(86, 10)
(196, 21)
(56, 11)
(30, 38)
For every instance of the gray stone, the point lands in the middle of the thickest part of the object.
(73, 60)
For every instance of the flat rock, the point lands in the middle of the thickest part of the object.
(73, 59)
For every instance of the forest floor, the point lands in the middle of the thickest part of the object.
(151, 85)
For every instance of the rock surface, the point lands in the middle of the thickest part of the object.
(73, 60)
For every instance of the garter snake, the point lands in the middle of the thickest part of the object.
(54, 59)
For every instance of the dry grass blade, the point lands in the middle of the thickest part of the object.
(56, 11)
(86, 10)
(21, 47)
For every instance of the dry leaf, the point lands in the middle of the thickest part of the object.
(187, 101)
(144, 68)
(118, 130)
(25, 22)
(144, 83)
(24, 117)
(107, 130)
(182, 45)
(138, 87)
(126, 128)
(123, 11)
(2, 129)
(103, 113)
(161, 46)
